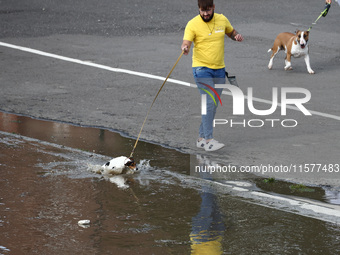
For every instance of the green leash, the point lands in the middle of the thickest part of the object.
(323, 14)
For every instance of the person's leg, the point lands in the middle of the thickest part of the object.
(219, 78)
(204, 78)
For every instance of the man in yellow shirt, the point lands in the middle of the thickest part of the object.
(207, 31)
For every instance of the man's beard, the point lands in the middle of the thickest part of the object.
(210, 18)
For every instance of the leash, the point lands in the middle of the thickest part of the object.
(323, 14)
(134, 147)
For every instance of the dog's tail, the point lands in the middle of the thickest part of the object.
(270, 50)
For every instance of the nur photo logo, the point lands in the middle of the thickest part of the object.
(292, 98)
(204, 97)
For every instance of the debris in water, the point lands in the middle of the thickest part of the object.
(84, 223)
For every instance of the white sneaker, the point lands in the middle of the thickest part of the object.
(213, 145)
(200, 144)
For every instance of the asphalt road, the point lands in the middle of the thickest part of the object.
(146, 37)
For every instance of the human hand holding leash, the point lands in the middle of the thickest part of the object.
(186, 47)
(185, 50)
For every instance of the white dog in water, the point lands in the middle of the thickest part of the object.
(116, 167)
(119, 165)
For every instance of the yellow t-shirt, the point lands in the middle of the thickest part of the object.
(208, 38)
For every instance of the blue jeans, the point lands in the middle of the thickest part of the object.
(205, 75)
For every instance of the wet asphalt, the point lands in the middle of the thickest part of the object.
(146, 37)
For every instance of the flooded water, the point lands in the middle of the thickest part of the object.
(46, 187)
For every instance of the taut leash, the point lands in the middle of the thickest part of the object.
(134, 147)
(323, 14)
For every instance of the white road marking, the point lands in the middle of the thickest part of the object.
(145, 75)
(297, 205)
(301, 206)
(87, 63)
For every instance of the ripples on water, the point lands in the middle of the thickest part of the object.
(46, 188)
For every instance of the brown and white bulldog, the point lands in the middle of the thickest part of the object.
(295, 45)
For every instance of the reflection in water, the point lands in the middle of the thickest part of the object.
(207, 226)
(46, 189)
